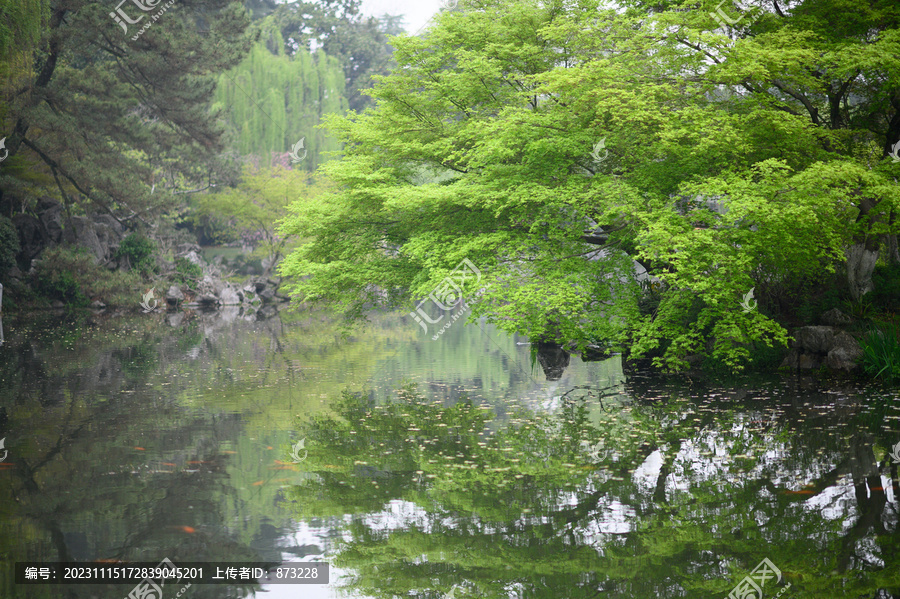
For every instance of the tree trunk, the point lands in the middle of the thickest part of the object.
(860, 265)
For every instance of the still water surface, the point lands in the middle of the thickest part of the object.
(433, 468)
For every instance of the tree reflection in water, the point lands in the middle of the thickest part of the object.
(143, 439)
(691, 496)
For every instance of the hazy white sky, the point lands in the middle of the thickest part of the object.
(416, 12)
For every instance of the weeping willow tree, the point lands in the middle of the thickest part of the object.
(20, 36)
(274, 100)
(20, 25)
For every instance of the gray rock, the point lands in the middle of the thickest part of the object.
(229, 313)
(174, 296)
(175, 318)
(108, 221)
(32, 236)
(844, 353)
(835, 318)
(80, 231)
(194, 257)
(229, 297)
(108, 239)
(52, 219)
(98, 305)
(100, 234)
(45, 203)
(817, 340)
(210, 285)
(817, 345)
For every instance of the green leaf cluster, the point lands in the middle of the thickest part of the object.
(551, 144)
(138, 250)
(186, 272)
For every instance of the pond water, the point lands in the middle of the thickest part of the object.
(432, 469)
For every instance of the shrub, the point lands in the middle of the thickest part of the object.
(9, 244)
(881, 352)
(186, 272)
(62, 286)
(139, 251)
(55, 275)
(70, 275)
